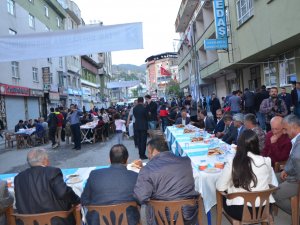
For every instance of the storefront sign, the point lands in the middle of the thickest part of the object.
(63, 91)
(220, 19)
(13, 90)
(54, 96)
(213, 44)
(36, 93)
(46, 75)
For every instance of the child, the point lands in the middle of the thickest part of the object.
(119, 124)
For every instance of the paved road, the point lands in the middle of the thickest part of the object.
(97, 154)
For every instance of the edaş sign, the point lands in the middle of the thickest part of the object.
(220, 19)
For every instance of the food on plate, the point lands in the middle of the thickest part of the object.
(180, 126)
(202, 167)
(212, 170)
(197, 139)
(214, 151)
(74, 178)
(219, 165)
(137, 164)
(186, 131)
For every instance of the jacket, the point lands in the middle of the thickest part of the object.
(179, 120)
(220, 126)
(259, 97)
(152, 111)
(249, 99)
(6, 199)
(42, 189)
(271, 107)
(231, 134)
(101, 189)
(52, 120)
(141, 117)
(261, 167)
(292, 166)
(294, 97)
(209, 124)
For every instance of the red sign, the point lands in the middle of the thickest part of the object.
(6, 89)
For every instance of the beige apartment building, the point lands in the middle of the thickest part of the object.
(263, 46)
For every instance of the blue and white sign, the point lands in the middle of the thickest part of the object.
(215, 44)
(220, 19)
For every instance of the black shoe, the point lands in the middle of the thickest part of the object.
(143, 157)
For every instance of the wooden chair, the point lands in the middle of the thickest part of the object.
(98, 134)
(9, 139)
(262, 215)
(41, 218)
(119, 211)
(174, 210)
(279, 166)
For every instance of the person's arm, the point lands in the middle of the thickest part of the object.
(281, 149)
(283, 109)
(143, 188)
(265, 107)
(86, 194)
(224, 180)
(6, 199)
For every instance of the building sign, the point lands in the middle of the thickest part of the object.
(36, 93)
(13, 90)
(54, 96)
(63, 91)
(221, 41)
(46, 75)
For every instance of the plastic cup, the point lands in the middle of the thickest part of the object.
(203, 166)
(219, 165)
(9, 182)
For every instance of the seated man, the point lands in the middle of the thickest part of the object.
(220, 125)
(251, 124)
(112, 185)
(277, 144)
(183, 119)
(41, 188)
(290, 176)
(209, 122)
(19, 126)
(238, 121)
(6, 199)
(165, 177)
(230, 132)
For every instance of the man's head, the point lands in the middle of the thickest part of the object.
(277, 125)
(250, 121)
(238, 120)
(189, 97)
(202, 114)
(273, 92)
(156, 146)
(56, 109)
(283, 90)
(148, 98)
(140, 100)
(298, 85)
(118, 154)
(183, 113)
(219, 114)
(213, 95)
(291, 125)
(37, 157)
(21, 122)
(52, 109)
(227, 119)
(263, 87)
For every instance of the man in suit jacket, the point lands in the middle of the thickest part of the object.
(157, 180)
(287, 98)
(209, 122)
(290, 176)
(183, 119)
(141, 126)
(220, 125)
(230, 133)
(238, 121)
(112, 185)
(6, 199)
(41, 188)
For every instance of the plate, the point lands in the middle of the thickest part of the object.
(212, 170)
(73, 179)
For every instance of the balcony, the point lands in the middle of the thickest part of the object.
(72, 9)
(185, 14)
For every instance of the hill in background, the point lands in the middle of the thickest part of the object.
(129, 72)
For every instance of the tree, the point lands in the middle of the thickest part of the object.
(134, 92)
(173, 88)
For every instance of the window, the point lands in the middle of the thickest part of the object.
(69, 80)
(11, 7)
(49, 60)
(46, 11)
(61, 78)
(35, 74)
(31, 21)
(254, 83)
(51, 78)
(58, 22)
(12, 32)
(270, 74)
(287, 68)
(60, 62)
(15, 70)
(244, 10)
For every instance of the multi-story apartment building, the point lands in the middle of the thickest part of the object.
(29, 87)
(263, 48)
(160, 70)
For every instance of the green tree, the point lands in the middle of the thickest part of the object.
(173, 88)
(134, 92)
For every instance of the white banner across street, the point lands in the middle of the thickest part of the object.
(85, 40)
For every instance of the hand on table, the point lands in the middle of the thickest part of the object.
(283, 175)
(137, 163)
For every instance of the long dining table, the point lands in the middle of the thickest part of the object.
(205, 179)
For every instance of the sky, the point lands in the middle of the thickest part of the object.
(158, 18)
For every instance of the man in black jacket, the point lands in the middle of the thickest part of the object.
(141, 126)
(41, 188)
(152, 112)
(259, 97)
(113, 185)
(52, 124)
(231, 132)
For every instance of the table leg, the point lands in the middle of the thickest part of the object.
(208, 215)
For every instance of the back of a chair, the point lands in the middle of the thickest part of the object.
(278, 166)
(45, 218)
(170, 212)
(118, 210)
(251, 214)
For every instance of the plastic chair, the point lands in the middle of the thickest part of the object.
(119, 210)
(262, 215)
(41, 218)
(164, 210)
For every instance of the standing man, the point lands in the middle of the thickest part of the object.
(249, 101)
(63, 133)
(295, 94)
(235, 103)
(287, 98)
(273, 106)
(259, 97)
(74, 118)
(60, 120)
(214, 105)
(141, 126)
(152, 112)
(131, 116)
(191, 107)
(52, 123)
(290, 176)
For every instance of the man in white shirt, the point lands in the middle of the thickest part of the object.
(290, 176)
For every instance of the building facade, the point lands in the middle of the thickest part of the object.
(160, 70)
(263, 48)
